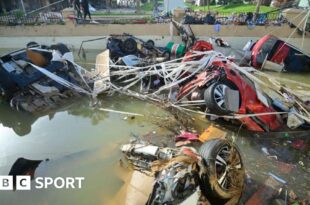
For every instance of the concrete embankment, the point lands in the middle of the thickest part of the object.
(73, 35)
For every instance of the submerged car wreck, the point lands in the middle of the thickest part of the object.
(213, 175)
(271, 53)
(213, 83)
(39, 78)
(126, 44)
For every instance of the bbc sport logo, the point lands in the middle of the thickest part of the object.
(23, 182)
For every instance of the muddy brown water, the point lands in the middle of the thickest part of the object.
(81, 141)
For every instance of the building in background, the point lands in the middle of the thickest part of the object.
(170, 5)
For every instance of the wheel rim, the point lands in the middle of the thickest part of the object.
(228, 166)
(130, 46)
(219, 95)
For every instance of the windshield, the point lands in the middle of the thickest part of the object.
(266, 49)
(303, 3)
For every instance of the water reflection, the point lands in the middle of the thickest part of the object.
(21, 122)
(285, 155)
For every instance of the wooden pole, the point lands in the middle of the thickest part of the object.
(23, 6)
(259, 2)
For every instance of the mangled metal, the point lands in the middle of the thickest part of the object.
(214, 174)
(273, 54)
(40, 78)
(213, 81)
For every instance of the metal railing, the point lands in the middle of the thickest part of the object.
(34, 19)
(49, 14)
(241, 18)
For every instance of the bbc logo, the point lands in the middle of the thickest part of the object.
(22, 183)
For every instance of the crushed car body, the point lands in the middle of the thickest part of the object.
(39, 78)
(126, 44)
(213, 175)
(220, 88)
(272, 53)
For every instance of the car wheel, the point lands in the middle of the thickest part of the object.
(129, 46)
(32, 44)
(62, 48)
(214, 97)
(150, 44)
(224, 179)
(166, 55)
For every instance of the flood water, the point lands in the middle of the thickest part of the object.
(81, 141)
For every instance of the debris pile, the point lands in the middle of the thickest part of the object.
(40, 78)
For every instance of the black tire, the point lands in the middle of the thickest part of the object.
(166, 55)
(62, 48)
(213, 153)
(211, 97)
(291, 25)
(32, 44)
(129, 46)
(150, 44)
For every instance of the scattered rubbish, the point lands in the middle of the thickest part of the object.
(298, 144)
(212, 132)
(177, 50)
(277, 178)
(265, 193)
(221, 43)
(120, 112)
(186, 136)
(183, 143)
(301, 163)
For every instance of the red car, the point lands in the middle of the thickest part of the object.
(211, 85)
(277, 51)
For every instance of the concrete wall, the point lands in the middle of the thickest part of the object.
(73, 35)
(139, 29)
